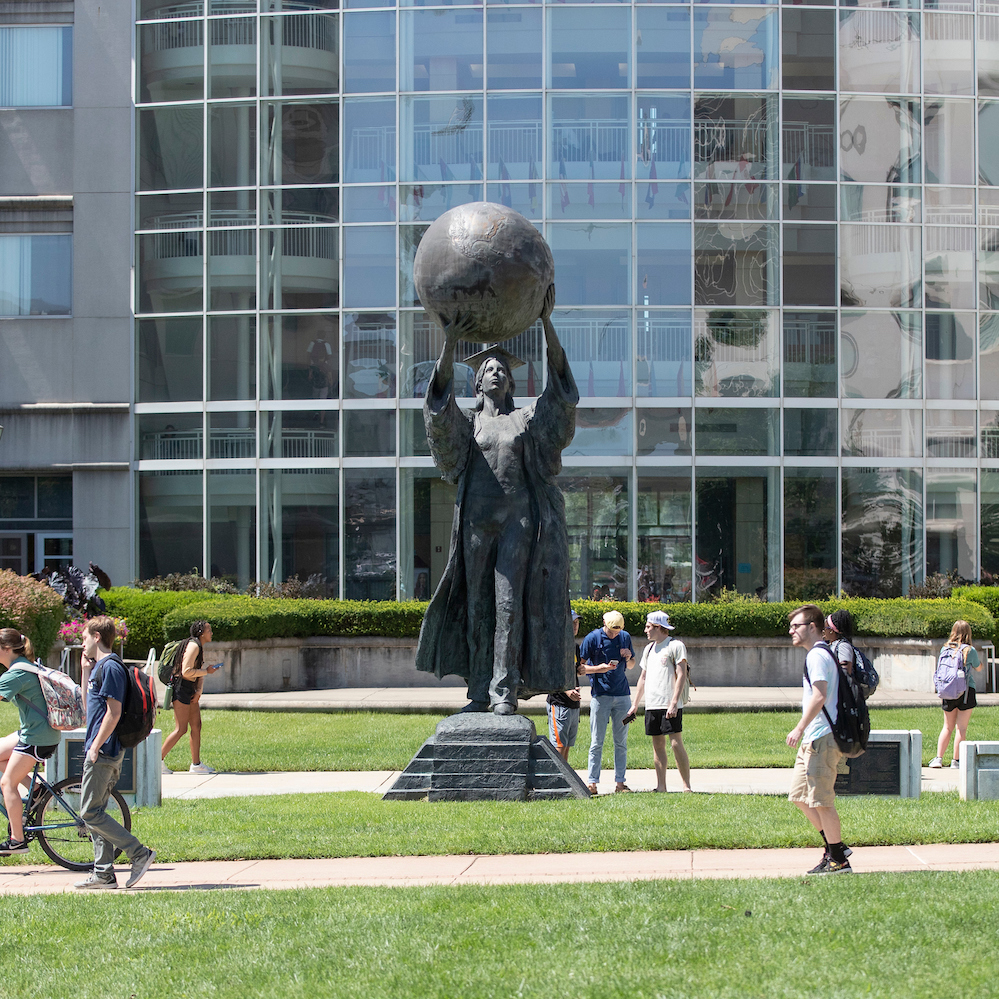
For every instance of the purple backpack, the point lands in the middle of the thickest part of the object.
(950, 678)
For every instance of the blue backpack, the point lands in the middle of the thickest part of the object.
(864, 672)
(950, 678)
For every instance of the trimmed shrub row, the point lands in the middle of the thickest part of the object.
(145, 611)
(987, 596)
(34, 608)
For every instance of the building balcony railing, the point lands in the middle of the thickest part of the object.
(196, 8)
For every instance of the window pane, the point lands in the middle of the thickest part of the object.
(586, 201)
(169, 359)
(413, 434)
(36, 67)
(949, 53)
(369, 144)
(300, 357)
(879, 51)
(513, 45)
(809, 533)
(369, 265)
(950, 355)
(170, 58)
(664, 354)
(882, 433)
(663, 432)
(809, 202)
(298, 268)
(369, 344)
(988, 142)
(810, 354)
(420, 346)
(440, 49)
(36, 275)
(880, 265)
(736, 354)
(809, 138)
(170, 523)
(55, 496)
(598, 347)
(369, 51)
(948, 135)
(232, 497)
(370, 204)
(811, 432)
(663, 276)
(369, 535)
(444, 139)
(170, 148)
(299, 206)
(951, 433)
(17, 497)
(596, 514)
(950, 267)
(662, 47)
(726, 431)
(990, 525)
(590, 47)
(426, 508)
(233, 143)
(601, 431)
(950, 205)
(735, 135)
(882, 531)
(988, 354)
(748, 200)
(169, 211)
(592, 263)
(662, 151)
(299, 54)
(516, 137)
(298, 433)
(232, 435)
(809, 49)
(664, 563)
(735, 265)
(303, 526)
(881, 355)
(735, 48)
(879, 140)
(169, 272)
(232, 57)
(589, 137)
(879, 203)
(300, 144)
(232, 278)
(232, 372)
(809, 265)
(172, 436)
(988, 55)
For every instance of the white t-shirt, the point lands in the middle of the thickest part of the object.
(659, 665)
(821, 666)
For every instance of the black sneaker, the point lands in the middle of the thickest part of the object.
(837, 867)
(10, 846)
(820, 867)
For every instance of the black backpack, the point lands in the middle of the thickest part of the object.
(138, 709)
(852, 727)
(863, 669)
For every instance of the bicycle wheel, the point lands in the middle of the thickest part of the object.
(67, 842)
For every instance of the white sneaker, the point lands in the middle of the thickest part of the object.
(164, 769)
(955, 764)
(201, 768)
(936, 763)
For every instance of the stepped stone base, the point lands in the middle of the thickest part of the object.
(486, 757)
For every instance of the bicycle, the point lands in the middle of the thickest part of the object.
(52, 816)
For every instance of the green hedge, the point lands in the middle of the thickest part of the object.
(144, 611)
(34, 608)
(987, 596)
(251, 618)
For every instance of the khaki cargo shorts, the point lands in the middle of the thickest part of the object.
(815, 769)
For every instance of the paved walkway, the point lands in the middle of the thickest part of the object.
(521, 869)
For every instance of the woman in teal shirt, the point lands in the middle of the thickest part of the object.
(957, 710)
(34, 742)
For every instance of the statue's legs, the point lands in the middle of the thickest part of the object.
(481, 543)
(508, 640)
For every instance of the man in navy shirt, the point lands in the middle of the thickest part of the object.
(605, 654)
(103, 755)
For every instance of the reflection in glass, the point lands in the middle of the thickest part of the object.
(988, 268)
(663, 265)
(300, 144)
(231, 208)
(950, 355)
(589, 137)
(369, 344)
(426, 509)
(589, 201)
(409, 242)
(300, 357)
(663, 432)
(590, 48)
(880, 265)
(949, 205)
(662, 146)
(308, 434)
(300, 206)
(879, 51)
(369, 144)
(369, 535)
(809, 265)
(232, 357)
(440, 49)
(302, 536)
(990, 525)
(592, 263)
(516, 136)
(420, 345)
(369, 204)
(809, 134)
(809, 533)
(738, 531)
(170, 436)
(663, 528)
(170, 142)
(426, 202)
(169, 360)
(988, 355)
(300, 54)
(443, 139)
(36, 274)
(513, 48)
(882, 433)
(881, 355)
(988, 55)
(810, 354)
(523, 198)
(601, 432)
(596, 514)
(735, 48)
(948, 135)
(879, 203)
(664, 354)
(169, 211)
(809, 49)
(951, 537)
(811, 432)
(232, 57)
(748, 201)
(949, 53)
(735, 264)
(598, 347)
(368, 52)
(232, 280)
(988, 436)
(369, 266)
(232, 435)
(169, 273)
(170, 59)
(950, 267)
(879, 140)
(736, 355)
(809, 202)
(722, 431)
(232, 530)
(170, 523)
(951, 433)
(298, 268)
(662, 47)
(413, 434)
(735, 137)
(368, 433)
(882, 531)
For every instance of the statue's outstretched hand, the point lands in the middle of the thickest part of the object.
(457, 326)
(549, 302)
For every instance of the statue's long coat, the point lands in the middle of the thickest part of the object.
(548, 425)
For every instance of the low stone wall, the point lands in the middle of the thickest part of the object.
(329, 663)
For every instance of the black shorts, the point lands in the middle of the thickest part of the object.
(657, 722)
(39, 753)
(184, 690)
(963, 703)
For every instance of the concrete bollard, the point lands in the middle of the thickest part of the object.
(892, 765)
(979, 771)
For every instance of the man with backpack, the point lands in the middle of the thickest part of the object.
(103, 756)
(817, 762)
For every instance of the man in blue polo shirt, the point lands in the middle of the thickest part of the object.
(605, 654)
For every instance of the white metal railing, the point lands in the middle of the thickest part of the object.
(171, 444)
(809, 343)
(989, 440)
(954, 444)
(232, 217)
(875, 443)
(663, 341)
(196, 8)
(309, 444)
(233, 442)
(302, 241)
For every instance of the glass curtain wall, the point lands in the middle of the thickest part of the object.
(776, 235)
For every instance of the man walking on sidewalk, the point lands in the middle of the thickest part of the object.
(817, 762)
(103, 755)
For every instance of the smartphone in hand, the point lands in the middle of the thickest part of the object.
(216, 666)
(630, 717)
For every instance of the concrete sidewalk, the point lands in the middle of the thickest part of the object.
(506, 869)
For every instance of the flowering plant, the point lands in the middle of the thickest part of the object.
(71, 632)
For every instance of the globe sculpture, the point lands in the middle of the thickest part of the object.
(486, 262)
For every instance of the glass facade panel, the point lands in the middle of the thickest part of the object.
(948, 134)
(369, 266)
(809, 134)
(664, 353)
(736, 354)
(232, 372)
(300, 54)
(880, 266)
(232, 57)
(737, 431)
(950, 267)
(882, 433)
(948, 53)
(590, 48)
(881, 355)
(369, 433)
(597, 515)
(601, 432)
(809, 49)
(300, 143)
(880, 140)
(441, 139)
(809, 533)
(809, 262)
(735, 48)
(369, 52)
(950, 433)
(297, 433)
(592, 263)
(988, 143)
(232, 142)
(232, 498)
(598, 347)
(300, 357)
(513, 49)
(879, 51)
(170, 148)
(988, 355)
(663, 275)
(664, 538)
(809, 202)
(413, 434)
(987, 55)
(169, 359)
(369, 347)
(299, 268)
(369, 500)
(426, 509)
(170, 436)
(369, 145)
(663, 432)
(36, 275)
(589, 137)
(440, 49)
(36, 65)
(662, 47)
(169, 272)
(171, 524)
(170, 61)
(990, 525)
(950, 355)
(811, 432)
(232, 435)
(810, 354)
(516, 140)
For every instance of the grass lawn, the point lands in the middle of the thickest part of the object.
(875, 935)
(273, 741)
